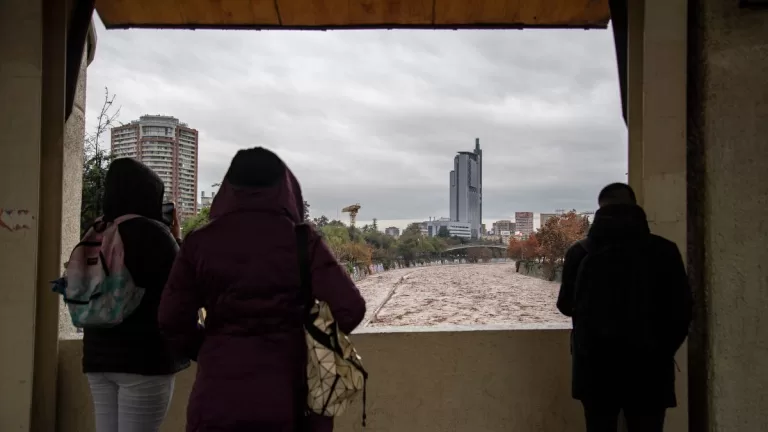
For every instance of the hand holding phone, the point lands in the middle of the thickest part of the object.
(171, 218)
(169, 210)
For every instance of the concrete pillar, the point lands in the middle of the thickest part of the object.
(664, 118)
(50, 214)
(657, 130)
(729, 126)
(636, 15)
(32, 77)
(21, 87)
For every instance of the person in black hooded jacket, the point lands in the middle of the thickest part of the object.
(130, 367)
(628, 294)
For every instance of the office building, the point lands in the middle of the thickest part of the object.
(504, 228)
(454, 229)
(466, 189)
(170, 149)
(206, 201)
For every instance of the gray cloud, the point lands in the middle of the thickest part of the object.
(376, 116)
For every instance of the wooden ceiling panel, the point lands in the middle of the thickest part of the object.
(187, 13)
(356, 13)
(330, 14)
(525, 13)
(231, 12)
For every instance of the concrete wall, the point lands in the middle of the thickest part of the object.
(729, 129)
(420, 382)
(21, 76)
(39, 203)
(541, 271)
(72, 183)
(486, 379)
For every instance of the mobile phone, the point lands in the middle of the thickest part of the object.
(168, 209)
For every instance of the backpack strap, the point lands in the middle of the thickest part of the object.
(302, 249)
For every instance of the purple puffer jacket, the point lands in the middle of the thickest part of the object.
(243, 269)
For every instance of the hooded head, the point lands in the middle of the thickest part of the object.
(258, 180)
(132, 188)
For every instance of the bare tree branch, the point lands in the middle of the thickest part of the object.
(106, 121)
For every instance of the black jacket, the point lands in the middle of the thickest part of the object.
(613, 377)
(135, 346)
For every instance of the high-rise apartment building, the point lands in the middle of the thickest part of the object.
(524, 223)
(466, 189)
(170, 149)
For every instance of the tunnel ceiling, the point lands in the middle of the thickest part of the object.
(339, 14)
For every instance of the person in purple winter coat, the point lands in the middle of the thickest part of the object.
(242, 267)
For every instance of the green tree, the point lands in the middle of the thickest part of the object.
(96, 161)
(321, 221)
(306, 212)
(443, 232)
(196, 221)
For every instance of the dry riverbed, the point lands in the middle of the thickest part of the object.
(467, 294)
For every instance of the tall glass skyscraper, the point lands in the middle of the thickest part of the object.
(466, 189)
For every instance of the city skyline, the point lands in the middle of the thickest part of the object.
(376, 117)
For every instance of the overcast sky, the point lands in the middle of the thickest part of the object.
(376, 117)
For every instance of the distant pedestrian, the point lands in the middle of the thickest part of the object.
(628, 294)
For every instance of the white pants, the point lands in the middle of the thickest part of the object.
(128, 402)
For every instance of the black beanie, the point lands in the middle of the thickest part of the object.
(255, 167)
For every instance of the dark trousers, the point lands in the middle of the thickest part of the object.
(605, 418)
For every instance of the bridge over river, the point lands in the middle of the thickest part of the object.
(474, 246)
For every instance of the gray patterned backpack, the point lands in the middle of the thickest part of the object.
(335, 373)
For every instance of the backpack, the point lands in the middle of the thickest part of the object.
(335, 373)
(97, 287)
(614, 301)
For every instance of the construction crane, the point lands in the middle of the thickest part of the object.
(352, 210)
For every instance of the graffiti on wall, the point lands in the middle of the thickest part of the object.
(15, 219)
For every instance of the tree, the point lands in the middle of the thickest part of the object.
(306, 212)
(321, 221)
(530, 248)
(515, 249)
(196, 221)
(375, 224)
(559, 233)
(96, 161)
(443, 232)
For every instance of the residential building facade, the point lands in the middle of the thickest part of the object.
(392, 231)
(168, 147)
(524, 223)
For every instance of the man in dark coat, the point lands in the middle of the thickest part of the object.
(628, 294)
